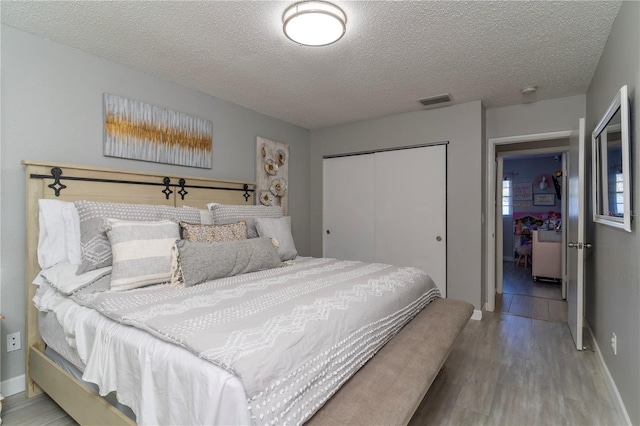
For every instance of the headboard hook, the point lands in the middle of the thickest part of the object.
(166, 191)
(182, 191)
(246, 192)
(56, 172)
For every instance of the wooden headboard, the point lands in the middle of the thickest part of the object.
(68, 182)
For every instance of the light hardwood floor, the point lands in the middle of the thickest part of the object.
(510, 370)
(528, 298)
(503, 370)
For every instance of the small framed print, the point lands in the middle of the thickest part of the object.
(522, 191)
(544, 199)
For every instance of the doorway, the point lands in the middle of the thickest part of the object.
(532, 208)
(551, 142)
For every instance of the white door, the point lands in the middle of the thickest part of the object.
(410, 212)
(576, 233)
(348, 202)
(388, 207)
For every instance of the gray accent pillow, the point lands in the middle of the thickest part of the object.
(195, 262)
(228, 213)
(94, 244)
(141, 252)
(279, 229)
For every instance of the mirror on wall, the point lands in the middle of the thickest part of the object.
(611, 165)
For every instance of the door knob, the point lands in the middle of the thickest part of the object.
(588, 245)
(572, 245)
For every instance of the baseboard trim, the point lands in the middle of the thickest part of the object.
(613, 389)
(477, 315)
(13, 386)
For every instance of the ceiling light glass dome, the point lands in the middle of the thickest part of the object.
(314, 23)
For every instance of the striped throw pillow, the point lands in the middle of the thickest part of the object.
(141, 252)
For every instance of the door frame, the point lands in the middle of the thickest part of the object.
(563, 151)
(492, 204)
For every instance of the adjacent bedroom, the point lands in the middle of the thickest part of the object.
(319, 212)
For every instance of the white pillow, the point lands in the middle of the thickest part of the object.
(280, 230)
(52, 245)
(59, 234)
(72, 233)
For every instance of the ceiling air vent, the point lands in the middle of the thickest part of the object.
(436, 100)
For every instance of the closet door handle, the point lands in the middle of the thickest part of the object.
(328, 232)
(438, 238)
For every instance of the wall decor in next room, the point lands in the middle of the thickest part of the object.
(272, 173)
(140, 131)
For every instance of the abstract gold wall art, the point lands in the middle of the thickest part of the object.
(140, 131)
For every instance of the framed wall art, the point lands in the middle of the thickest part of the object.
(272, 173)
(140, 131)
(522, 191)
(544, 199)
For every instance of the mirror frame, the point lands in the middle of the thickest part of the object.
(620, 102)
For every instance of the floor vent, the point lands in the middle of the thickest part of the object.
(436, 100)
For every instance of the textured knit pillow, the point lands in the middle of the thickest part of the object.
(195, 262)
(280, 230)
(214, 233)
(95, 247)
(141, 252)
(226, 213)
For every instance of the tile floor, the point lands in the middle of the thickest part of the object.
(531, 299)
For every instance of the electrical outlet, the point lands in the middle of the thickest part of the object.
(614, 343)
(13, 342)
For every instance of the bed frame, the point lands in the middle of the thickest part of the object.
(387, 390)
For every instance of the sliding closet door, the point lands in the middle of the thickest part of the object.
(410, 210)
(348, 204)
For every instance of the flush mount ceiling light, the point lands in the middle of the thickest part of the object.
(314, 23)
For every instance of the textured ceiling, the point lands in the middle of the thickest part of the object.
(392, 54)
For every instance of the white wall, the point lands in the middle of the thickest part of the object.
(52, 111)
(461, 125)
(613, 276)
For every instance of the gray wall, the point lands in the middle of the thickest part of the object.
(462, 126)
(553, 115)
(613, 278)
(52, 111)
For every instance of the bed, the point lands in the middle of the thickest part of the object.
(386, 389)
